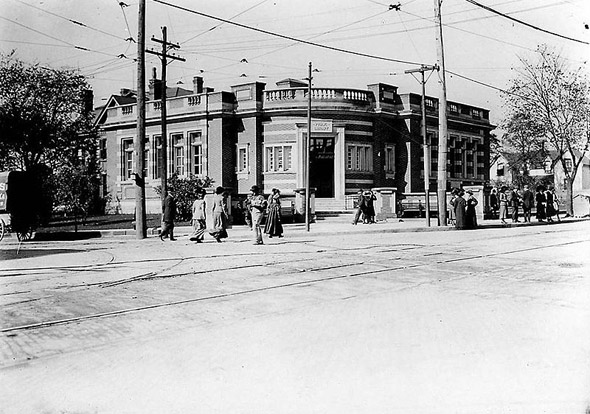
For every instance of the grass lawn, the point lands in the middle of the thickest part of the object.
(104, 222)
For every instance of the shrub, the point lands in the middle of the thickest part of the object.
(185, 192)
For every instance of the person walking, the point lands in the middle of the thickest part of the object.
(460, 205)
(470, 213)
(220, 215)
(168, 216)
(360, 209)
(514, 202)
(494, 202)
(550, 206)
(528, 200)
(247, 212)
(555, 203)
(273, 226)
(540, 200)
(503, 203)
(257, 207)
(199, 222)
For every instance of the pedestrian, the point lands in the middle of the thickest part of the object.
(168, 216)
(220, 215)
(451, 206)
(257, 207)
(460, 205)
(528, 201)
(199, 222)
(550, 207)
(369, 206)
(494, 202)
(555, 203)
(247, 213)
(273, 226)
(360, 209)
(540, 200)
(503, 203)
(470, 213)
(514, 202)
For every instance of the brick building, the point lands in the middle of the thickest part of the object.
(253, 135)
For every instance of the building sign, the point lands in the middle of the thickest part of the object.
(538, 172)
(321, 126)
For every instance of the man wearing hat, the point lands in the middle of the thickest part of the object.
(514, 202)
(257, 207)
(528, 201)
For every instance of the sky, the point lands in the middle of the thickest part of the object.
(377, 42)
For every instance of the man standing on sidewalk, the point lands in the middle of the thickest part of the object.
(528, 200)
(257, 208)
(514, 201)
(168, 216)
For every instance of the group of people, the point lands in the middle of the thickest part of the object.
(509, 200)
(256, 206)
(462, 209)
(365, 207)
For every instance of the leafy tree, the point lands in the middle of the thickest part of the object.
(185, 192)
(548, 102)
(45, 115)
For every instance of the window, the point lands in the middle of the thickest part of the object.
(278, 158)
(390, 158)
(178, 153)
(102, 148)
(127, 146)
(429, 104)
(500, 169)
(195, 139)
(569, 165)
(242, 159)
(359, 157)
(158, 156)
(146, 157)
(454, 108)
(475, 113)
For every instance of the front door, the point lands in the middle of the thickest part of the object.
(321, 166)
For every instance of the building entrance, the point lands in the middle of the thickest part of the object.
(321, 166)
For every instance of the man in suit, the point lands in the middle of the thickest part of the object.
(168, 216)
(514, 201)
(528, 201)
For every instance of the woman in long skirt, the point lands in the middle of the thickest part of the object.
(540, 199)
(470, 213)
(503, 204)
(273, 225)
(220, 215)
(460, 205)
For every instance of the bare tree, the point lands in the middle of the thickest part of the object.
(550, 102)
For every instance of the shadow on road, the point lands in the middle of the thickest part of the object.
(67, 236)
(28, 253)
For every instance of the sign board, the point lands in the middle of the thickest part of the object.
(538, 172)
(321, 126)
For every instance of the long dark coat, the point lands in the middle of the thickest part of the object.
(460, 204)
(470, 213)
(168, 209)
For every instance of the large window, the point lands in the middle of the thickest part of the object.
(178, 153)
(195, 139)
(243, 159)
(359, 157)
(389, 158)
(127, 146)
(569, 165)
(278, 158)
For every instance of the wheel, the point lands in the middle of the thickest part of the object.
(24, 235)
(2, 229)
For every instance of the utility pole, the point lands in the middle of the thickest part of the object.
(164, 56)
(442, 121)
(425, 143)
(139, 144)
(306, 145)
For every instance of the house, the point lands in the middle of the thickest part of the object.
(251, 134)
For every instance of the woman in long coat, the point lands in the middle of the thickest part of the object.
(273, 226)
(460, 204)
(503, 204)
(451, 206)
(540, 199)
(470, 214)
(550, 207)
(220, 215)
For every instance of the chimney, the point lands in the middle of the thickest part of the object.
(155, 87)
(197, 84)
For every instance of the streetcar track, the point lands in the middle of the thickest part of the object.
(273, 287)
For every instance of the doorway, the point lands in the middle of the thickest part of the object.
(321, 166)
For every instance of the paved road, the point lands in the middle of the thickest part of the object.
(484, 321)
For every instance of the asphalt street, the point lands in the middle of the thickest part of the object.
(367, 320)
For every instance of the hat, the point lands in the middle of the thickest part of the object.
(254, 188)
(368, 192)
(469, 192)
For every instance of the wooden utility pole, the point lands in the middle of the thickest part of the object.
(164, 56)
(307, 152)
(442, 121)
(425, 143)
(139, 144)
